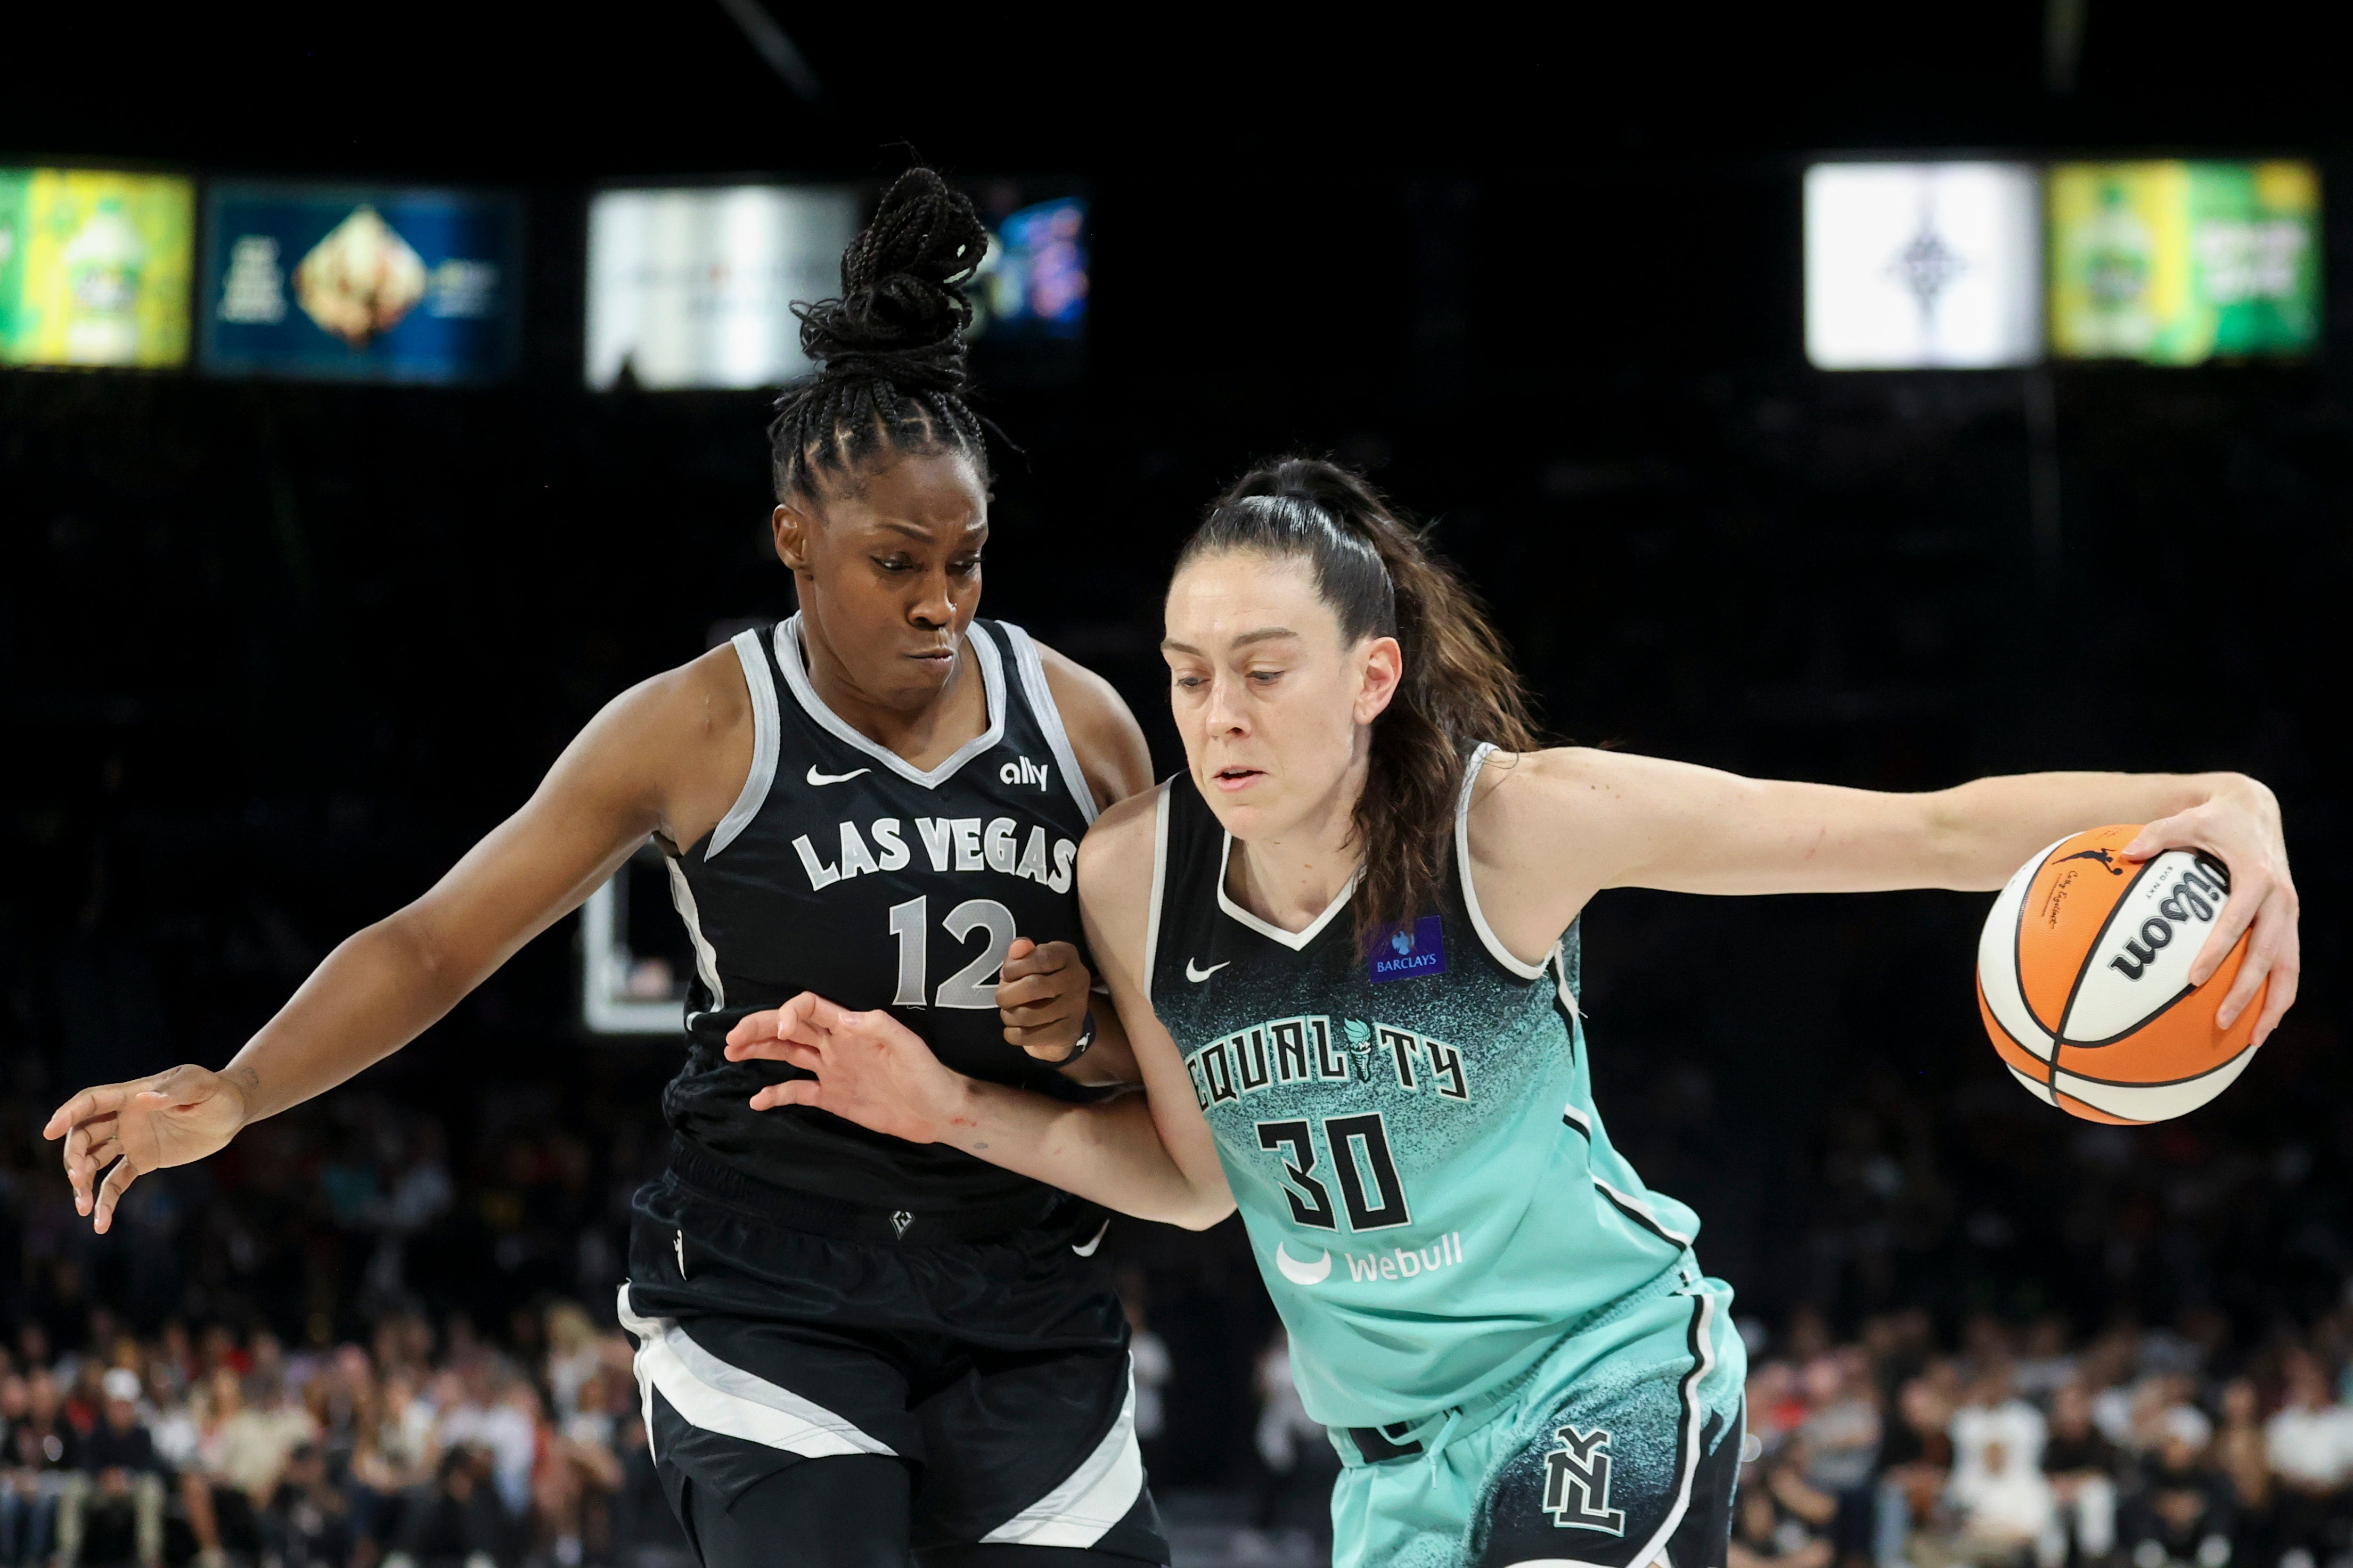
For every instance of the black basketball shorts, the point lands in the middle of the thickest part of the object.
(997, 1369)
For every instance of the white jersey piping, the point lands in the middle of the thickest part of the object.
(706, 957)
(709, 1393)
(1703, 1354)
(1495, 949)
(1296, 941)
(765, 727)
(992, 674)
(1568, 993)
(1703, 1362)
(1159, 884)
(1049, 717)
(1094, 1496)
(1641, 1209)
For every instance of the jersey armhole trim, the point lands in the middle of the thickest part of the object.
(765, 724)
(1495, 949)
(1159, 885)
(1032, 670)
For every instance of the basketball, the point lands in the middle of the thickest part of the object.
(2084, 980)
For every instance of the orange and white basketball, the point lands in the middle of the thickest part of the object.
(2084, 980)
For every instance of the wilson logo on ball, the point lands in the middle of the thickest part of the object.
(2189, 902)
(2084, 980)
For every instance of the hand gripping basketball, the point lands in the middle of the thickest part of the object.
(2241, 830)
(2118, 974)
(868, 1067)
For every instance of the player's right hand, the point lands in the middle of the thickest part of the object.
(869, 1067)
(166, 1118)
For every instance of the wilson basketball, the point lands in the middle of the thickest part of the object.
(2084, 980)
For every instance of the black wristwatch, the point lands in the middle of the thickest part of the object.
(1079, 1046)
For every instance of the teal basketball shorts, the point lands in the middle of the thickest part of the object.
(1617, 1450)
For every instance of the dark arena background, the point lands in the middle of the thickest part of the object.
(274, 651)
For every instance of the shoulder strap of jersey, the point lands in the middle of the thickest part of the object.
(1029, 678)
(1188, 865)
(1487, 938)
(759, 679)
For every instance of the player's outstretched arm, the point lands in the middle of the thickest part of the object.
(656, 759)
(1149, 1156)
(1549, 829)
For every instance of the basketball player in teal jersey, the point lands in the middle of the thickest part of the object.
(1344, 942)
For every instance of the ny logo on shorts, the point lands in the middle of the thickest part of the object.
(1577, 1483)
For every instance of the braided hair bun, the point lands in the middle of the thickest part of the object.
(903, 314)
(891, 349)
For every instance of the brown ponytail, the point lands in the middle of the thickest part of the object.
(1458, 689)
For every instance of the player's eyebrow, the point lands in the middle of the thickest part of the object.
(1264, 634)
(924, 535)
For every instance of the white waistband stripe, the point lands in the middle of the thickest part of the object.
(718, 1397)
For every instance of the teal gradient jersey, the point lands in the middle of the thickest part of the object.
(1409, 1132)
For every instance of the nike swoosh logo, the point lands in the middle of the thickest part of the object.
(1089, 1249)
(1300, 1273)
(1196, 974)
(815, 777)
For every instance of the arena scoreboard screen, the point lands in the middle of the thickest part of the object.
(352, 283)
(1913, 266)
(2177, 262)
(694, 288)
(94, 266)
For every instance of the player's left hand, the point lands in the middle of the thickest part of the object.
(870, 1068)
(1042, 996)
(2239, 824)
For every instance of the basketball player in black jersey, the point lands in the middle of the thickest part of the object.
(850, 1348)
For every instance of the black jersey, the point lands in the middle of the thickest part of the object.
(844, 870)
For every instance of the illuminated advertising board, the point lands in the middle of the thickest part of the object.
(694, 288)
(94, 266)
(350, 283)
(1031, 296)
(1919, 265)
(2177, 262)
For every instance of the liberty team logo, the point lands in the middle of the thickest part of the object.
(1577, 1483)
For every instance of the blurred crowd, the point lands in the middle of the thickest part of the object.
(428, 1447)
(421, 1448)
(378, 1332)
(2019, 1448)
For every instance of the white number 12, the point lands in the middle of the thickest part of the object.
(973, 986)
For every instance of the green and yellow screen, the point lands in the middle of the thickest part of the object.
(2175, 262)
(94, 266)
